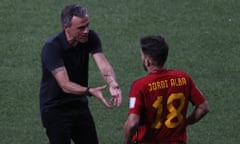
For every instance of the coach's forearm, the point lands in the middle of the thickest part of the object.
(73, 88)
(109, 76)
(105, 68)
(65, 84)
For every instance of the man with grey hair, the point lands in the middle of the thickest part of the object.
(64, 86)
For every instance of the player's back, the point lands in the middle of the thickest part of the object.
(165, 96)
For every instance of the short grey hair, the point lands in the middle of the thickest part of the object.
(72, 10)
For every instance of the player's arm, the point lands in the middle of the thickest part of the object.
(108, 74)
(67, 86)
(198, 113)
(130, 127)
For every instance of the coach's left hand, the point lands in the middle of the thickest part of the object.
(116, 94)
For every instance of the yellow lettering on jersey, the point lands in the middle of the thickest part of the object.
(174, 82)
(178, 81)
(157, 85)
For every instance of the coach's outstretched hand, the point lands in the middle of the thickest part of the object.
(97, 92)
(116, 93)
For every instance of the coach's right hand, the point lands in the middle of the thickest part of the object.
(97, 92)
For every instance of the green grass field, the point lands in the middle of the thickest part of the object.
(203, 37)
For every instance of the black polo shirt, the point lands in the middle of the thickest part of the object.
(57, 53)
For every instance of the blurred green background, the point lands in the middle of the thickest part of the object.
(204, 41)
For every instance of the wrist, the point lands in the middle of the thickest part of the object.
(113, 84)
(87, 92)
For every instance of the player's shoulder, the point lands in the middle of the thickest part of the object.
(178, 72)
(139, 82)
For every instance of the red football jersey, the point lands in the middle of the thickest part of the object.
(161, 99)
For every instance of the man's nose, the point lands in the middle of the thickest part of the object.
(86, 30)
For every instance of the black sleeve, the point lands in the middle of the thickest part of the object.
(51, 57)
(94, 42)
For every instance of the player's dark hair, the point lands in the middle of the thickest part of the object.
(156, 48)
(72, 10)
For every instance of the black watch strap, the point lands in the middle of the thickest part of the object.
(87, 92)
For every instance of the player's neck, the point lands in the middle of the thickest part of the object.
(153, 69)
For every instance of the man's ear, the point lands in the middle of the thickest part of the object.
(65, 26)
(147, 61)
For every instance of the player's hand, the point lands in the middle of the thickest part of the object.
(116, 94)
(97, 92)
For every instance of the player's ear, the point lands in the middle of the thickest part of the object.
(147, 61)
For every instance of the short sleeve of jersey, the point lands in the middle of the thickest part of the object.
(136, 102)
(51, 57)
(94, 42)
(196, 95)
